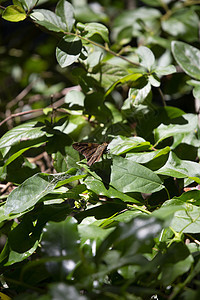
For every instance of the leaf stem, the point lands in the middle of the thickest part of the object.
(107, 49)
(139, 208)
(168, 195)
(162, 97)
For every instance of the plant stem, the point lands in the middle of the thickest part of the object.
(103, 47)
(162, 97)
(139, 208)
(164, 5)
(168, 195)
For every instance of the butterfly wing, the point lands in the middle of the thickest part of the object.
(97, 154)
(91, 151)
(87, 149)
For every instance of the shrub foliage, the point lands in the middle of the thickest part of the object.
(126, 227)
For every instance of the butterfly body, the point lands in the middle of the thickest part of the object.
(91, 151)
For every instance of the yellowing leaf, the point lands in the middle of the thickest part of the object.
(14, 13)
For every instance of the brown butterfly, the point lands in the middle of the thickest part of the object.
(91, 151)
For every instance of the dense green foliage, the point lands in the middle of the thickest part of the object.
(128, 226)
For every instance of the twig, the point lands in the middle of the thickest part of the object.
(103, 47)
(162, 97)
(21, 114)
(55, 105)
(5, 186)
(21, 95)
(191, 237)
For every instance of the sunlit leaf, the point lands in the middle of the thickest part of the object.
(49, 20)
(68, 50)
(129, 176)
(14, 13)
(65, 10)
(187, 57)
(33, 189)
(178, 168)
(182, 24)
(184, 124)
(146, 57)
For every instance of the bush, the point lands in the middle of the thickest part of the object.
(122, 223)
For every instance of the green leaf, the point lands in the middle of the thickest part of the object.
(4, 217)
(149, 16)
(14, 13)
(138, 96)
(28, 4)
(122, 80)
(132, 237)
(94, 105)
(60, 239)
(35, 188)
(92, 232)
(176, 262)
(49, 20)
(9, 257)
(60, 242)
(187, 219)
(154, 80)
(161, 71)
(185, 124)
(18, 153)
(75, 98)
(189, 139)
(99, 212)
(153, 160)
(129, 176)
(108, 73)
(187, 57)
(29, 193)
(98, 187)
(124, 216)
(182, 24)
(18, 3)
(196, 90)
(96, 28)
(74, 126)
(178, 168)
(69, 177)
(65, 160)
(27, 131)
(94, 57)
(167, 211)
(120, 145)
(145, 157)
(147, 58)
(68, 50)
(65, 11)
(191, 196)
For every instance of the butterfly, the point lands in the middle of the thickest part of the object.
(91, 151)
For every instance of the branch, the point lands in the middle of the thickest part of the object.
(31, 112)
(20, 114)
(21, 95)
(103, 47)
(55, 105)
